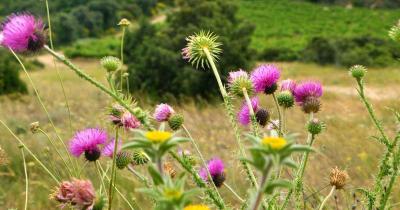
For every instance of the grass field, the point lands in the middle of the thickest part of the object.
(346, 142)
(291, 24)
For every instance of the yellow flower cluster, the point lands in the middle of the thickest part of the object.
(275, 143)
(196, 207)
(158, 136)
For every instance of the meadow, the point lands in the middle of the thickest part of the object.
(346, 143)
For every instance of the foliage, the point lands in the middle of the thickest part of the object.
(93, 48)
(9, 75)
(153, 53)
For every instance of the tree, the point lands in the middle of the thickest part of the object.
(154, 52)
(9, 75)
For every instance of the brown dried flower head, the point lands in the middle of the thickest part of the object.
(338, 178)
(3, 157)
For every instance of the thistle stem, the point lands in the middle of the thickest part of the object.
(252, 114)
(215, 71)
(30, 152)
(159, 164)
(139, 176)
(260, 191)
(279, 114)
(233, 192)
(26, 178)
(122, 55)
(102, 184)
(113, 171)
(327, 198)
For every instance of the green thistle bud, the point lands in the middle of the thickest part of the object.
(358, 71)
(241, 83)
(197, 46)
(315, 126)
(394, 32)
(285, 99)
(262, 117)
(140, 158)
(141, 115)
(123, 159)
(311, 105)
(99, 203)
(110, 63)
(175, 121)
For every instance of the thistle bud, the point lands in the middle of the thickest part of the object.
(358, 71)
(311, 105)
(175, 121)
(123, 159)
(285, 99)
(140, 158)
(239, 80)
(124, 22)
(394, 32)
(110, 63)
(338, 178)
(34, 127)
(315, 126)
(99, 203)
(262, 117)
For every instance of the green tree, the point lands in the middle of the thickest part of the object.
(153, 52)
(9, 75)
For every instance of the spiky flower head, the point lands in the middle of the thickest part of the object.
(394, 32)
(307, 95)
(77, 193)
(88, 141)
(288, 85)
(198, 45)
(285, 99)
(315, 126)
(110, 63)
(262, 117)
(244, 113)
(140, 158)
(129, 121)
(275, 143)
(23, 32)
(123, 159)
(196, 207)
(124, 22)
(338, 178)
(158, 136)
(34, 127)
(163, 112)
(239, 80)
(108, 150)
(217, 171)
(176, 121)
(358, 71)
(265, 77)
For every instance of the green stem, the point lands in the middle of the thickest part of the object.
(254, 122)
(26, 178)
(139, 176)
(113, 171)
(102, 184)
(88, 78)
(233, 192)
(327, 198)
(30, 152)
(122, 56)
(279, 114)
(260, 191)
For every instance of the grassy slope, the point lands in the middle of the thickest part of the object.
(290, 24)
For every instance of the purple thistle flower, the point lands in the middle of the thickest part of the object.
(22, 32)
(265, 77)
(236, 74)
(163, 112)
(288, 85)
(108, 150)
(244, 114)
(87, 141)
(186, 53)
(217, 171)
(129, 121)
(306, 90)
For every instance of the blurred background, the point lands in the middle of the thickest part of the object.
(307, 39)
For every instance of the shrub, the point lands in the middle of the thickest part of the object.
(154, 53)
(9, 75)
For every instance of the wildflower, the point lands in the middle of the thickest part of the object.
(338, 178)
(285, 99)
(176, 121)
(307, 96)
(198, 45)
(110, 63)
(140, 157)
(288, 85)
(163, 112)
(275, 143)
(78, 193)
(123, 159)
(116, 112)
(196, 207)
(262, 117)
(87, 141)
(129, 121)
(315, 126)
(264, 78)
(244, 114)
(158, 136)
(124, 22)
(216, 168)
(239, 80)
(108, 150)
(34, 127)
(358, 71)
(23, 32)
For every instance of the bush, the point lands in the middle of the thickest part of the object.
(279, 54)
(93, 48)
(154, 56)
(9, 75)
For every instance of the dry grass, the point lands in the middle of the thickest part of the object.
(346, 142)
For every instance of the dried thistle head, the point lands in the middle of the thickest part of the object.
(338, 178)
(34, 127)
(3, 157)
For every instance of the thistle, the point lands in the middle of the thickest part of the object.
(34, 127)
(124, 158)
(196, 47)
(88, 141)
(337, 180)
(315, 126)
(110, 63)
(358, 71)
(239, 81)
(285, 99)
(265, 78)
(307, 95)
(176, 121)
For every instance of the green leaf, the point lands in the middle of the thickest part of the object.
(155, 175)
(289, 163)
(301, 148)
(277, 183)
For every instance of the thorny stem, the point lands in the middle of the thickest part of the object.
(202, 160)
(42, 104)
(122, 55)
(233, 192)
(159, 164)
(26, 178)
(327, 198)
(88, 78)
(141, 177)
(260, 191)
(113, 171)
(279, 114)
(252, 114)
(30, 152)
